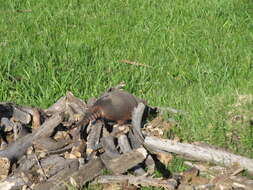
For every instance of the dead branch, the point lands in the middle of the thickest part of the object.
(78, 178)
(125, 161)
(125, 147)
(136, 122)
(137, 180)
(109, 147)
(93, 138)
(198, 153)
(19, 147)
(59, 106)
(12, 183)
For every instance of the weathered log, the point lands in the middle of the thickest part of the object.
(25, 163)
(243, 180)
(125, 147)
(38, 114)
(93, 137)
(55, 163)
(150, 163)
(48, 126)
(55, 166)
(6, 125)
(16, 112)
(124, 144)
(21, 116)
(20, 130)
(108, 145)
(19, 147)
(61, 150)
(48, 144)
(14, 182)
(124, 162)
(58, 107)
(198, 153)
(137, 121)
(78, 105)
(169, 184)
(85, 173)
(134, 140)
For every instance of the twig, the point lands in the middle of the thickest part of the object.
(133, 63)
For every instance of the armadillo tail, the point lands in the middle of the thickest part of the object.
(93, 116)
(88, 117)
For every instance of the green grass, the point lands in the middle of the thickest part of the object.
(200, 55)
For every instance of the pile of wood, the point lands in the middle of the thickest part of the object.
(47, 149)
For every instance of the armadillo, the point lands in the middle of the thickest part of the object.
(115, 105)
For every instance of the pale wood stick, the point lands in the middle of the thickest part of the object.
(198, 153)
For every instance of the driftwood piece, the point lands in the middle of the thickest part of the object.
(126, 161)
(19, 147)
(53, 164)
(61, 150)
(109, 147)
(136, 122)
(25, 163)
(169, 184)
(125, 147)
(58, 107)
(85, 173)
(199, 153)
(48, 126)
(36, 113)
(14, 182)
(244, 181)
(6, 125)
(150, 163)
(78, 105)
(21, 116)
(20, 130)
(124, 144)
(49, 144)
(134, 140)
(94, 136)
(16, 112)
(59, 166)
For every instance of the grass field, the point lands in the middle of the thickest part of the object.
(200, 55)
